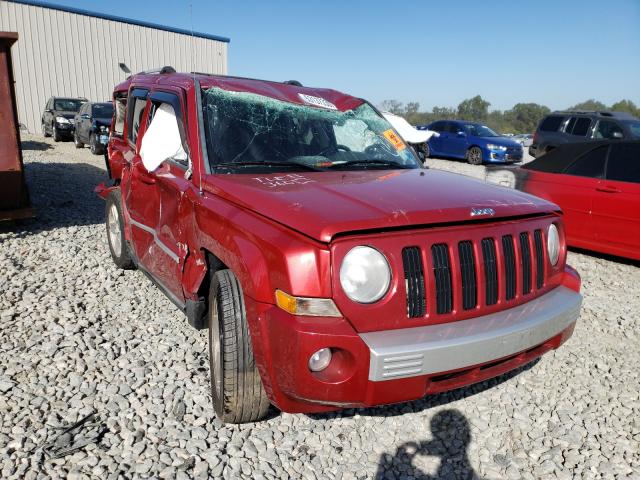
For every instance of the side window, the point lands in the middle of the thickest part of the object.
(164, 138)
(551, 123)
(581, 127)
(607, 129)
(624, 162)
(569, 127)
(119, 114)
(437, 127)
(135, 110)
(591, 164)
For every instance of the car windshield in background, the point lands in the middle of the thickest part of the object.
(477, 130)
(67, 105)
(103, 110)
(634, 127)
(246, 131)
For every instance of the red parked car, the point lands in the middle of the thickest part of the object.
(597, 185)
(331, 269)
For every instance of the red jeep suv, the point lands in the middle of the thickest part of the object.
(331, 269)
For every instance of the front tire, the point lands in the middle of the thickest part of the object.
(56, 135)
(474, 156)
(44, 131)
(95, 147)
(77, 142)
(236, 388)
(115, 233)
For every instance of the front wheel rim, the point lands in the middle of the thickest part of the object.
(475, 155)
(113, 224)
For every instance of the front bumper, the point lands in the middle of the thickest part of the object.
(451, 346)
(502, 156)
(405, 364)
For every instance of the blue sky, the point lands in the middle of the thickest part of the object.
(556, 53)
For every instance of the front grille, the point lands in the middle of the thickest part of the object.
(473, 273)
(537, 237)
(468, 274)
(509, 258)
(442, 274)
(490, 270)
(414, 282)
(525, 260)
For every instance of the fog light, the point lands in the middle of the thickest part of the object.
(320, 360)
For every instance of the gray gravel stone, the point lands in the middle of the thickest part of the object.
(76, 334)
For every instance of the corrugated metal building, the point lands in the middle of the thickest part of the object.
(70, 52)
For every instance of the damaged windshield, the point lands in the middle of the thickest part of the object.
(246, 132)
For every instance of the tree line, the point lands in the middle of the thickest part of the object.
(521, 118)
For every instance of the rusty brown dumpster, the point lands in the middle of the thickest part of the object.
(14, 197)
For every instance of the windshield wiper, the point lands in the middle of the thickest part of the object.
(238, 165)
(366, 163)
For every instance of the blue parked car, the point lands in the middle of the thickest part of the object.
(471, 141)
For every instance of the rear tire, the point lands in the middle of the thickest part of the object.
(118, 245)
(474, 156)
(236, 388)
(426, 150)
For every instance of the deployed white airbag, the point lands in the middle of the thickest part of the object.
(408, 132)
(162, 139)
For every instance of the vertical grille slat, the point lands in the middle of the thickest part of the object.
(509, 266)
(525, 258)
(442, 275)
(537, 237)
(414, 282)
(491, 271)
(468, 275)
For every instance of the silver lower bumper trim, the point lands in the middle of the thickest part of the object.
(410, 352)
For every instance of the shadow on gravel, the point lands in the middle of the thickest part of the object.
(450, 443)
(606, 256)
(35, 145)
(63, 196)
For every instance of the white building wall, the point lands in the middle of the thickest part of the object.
(60, 53)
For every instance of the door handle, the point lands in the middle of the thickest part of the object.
(608, 189)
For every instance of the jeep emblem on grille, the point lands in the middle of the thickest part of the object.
(475, 212)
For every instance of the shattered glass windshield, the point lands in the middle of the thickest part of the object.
(247, 132)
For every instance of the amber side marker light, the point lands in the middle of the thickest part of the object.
(312, 307)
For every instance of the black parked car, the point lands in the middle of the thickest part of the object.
(92, 124)
(581, 126)
(58, 115)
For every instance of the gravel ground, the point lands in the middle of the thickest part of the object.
(78, 335)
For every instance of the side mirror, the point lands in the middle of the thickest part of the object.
(85, 116)
(48, 110)
(461, 134)
(617, 135)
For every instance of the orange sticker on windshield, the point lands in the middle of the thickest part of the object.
(394, 139)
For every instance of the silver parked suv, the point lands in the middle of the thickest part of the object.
(582, 126)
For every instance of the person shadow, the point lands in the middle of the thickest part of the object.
(450, 442)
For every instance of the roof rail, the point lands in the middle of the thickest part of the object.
(604, 113)
(159, 70)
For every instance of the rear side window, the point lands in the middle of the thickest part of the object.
(570, 124)
(624, 163)
(591, 164)
(581, 126)
(606, 129)
(121, 107)
(134, 113)
(551, 123)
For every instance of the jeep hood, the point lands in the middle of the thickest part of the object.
(322, 205)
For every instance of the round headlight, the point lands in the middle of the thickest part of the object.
(365, 275)
(553, 244)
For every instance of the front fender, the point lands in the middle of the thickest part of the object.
(264, 255)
